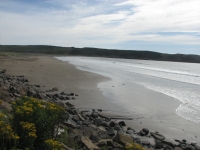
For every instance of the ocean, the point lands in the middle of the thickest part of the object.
(181, 81)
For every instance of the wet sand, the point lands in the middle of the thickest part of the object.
(50, 72)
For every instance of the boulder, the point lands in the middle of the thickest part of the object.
(94, 115)
(114, 145)
(111, 132)
(120, 132)
(117, 127)
(98, 122)
(94, 138)
(88, 143)
(130, 132)
(157, 136)
(112, 124)
(167, 148)
(54, 89)
(158, 144)
(122, 123)
(123, 139)
(169, 143)
(146, 131)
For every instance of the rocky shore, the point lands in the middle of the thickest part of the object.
(89, 127)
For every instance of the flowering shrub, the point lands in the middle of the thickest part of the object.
(35, 121)
(53, 145)
(134, 146)
(7, 136)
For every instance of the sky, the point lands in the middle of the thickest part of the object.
(167, 26)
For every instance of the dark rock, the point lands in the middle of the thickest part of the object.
(117, 127)
(112, 124)
(188, 147)
(69, 104)
(147, 143)
(146, 131)
(71, 111)
(122, 123)
(94, 138)
(31, 92)
(138, 141)
(169, 143)
(157, 136)
(75, 118)
(167, 148)
(105, 124)
(114, 145)
(141, 133)
(72, 94)
(184, 141)
(98, 122)
(94, 115)
(111, 132)
(158, 144)
(100, 110)
(54, 89)
(178, 148)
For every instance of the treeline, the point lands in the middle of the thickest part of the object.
(98, 52)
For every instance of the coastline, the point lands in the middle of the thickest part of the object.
(50, 72)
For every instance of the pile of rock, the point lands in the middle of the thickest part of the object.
(91, 129)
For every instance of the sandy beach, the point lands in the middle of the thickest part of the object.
(50, 72)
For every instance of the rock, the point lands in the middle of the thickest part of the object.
(184, 141)
(98, 122)
(147, 139)
(105, 124)
(157, 136)
(88, 143)
(75, 118)
(100, 110)
(188, 147)
(30, 92)
(117, 127)
(94, 138)
(22, 91)
(169, 143)
(178, 148)
(145, 143)
(16, 95)
(141, 133)
(146, 131)
(54, 89)
(114, 145)
(167, 148)
(111, 132)
(122, 123)
(158, 144)
(94, 115)
(120, 132)
(130, 132)
(123, 139)
(112, 124)
(138, 141)
(72, 94)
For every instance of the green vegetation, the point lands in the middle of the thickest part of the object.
(33, 124)
(134, 146)
(97, 52)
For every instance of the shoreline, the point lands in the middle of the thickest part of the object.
(50, 72)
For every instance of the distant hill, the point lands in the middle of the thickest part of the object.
(98, 52)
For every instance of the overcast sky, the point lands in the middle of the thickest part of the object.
(170, 26)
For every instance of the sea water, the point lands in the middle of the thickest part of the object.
(180, 81)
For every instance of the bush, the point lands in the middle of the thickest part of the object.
(134, 146)
(35, 121)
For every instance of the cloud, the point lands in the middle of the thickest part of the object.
(100, 22)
